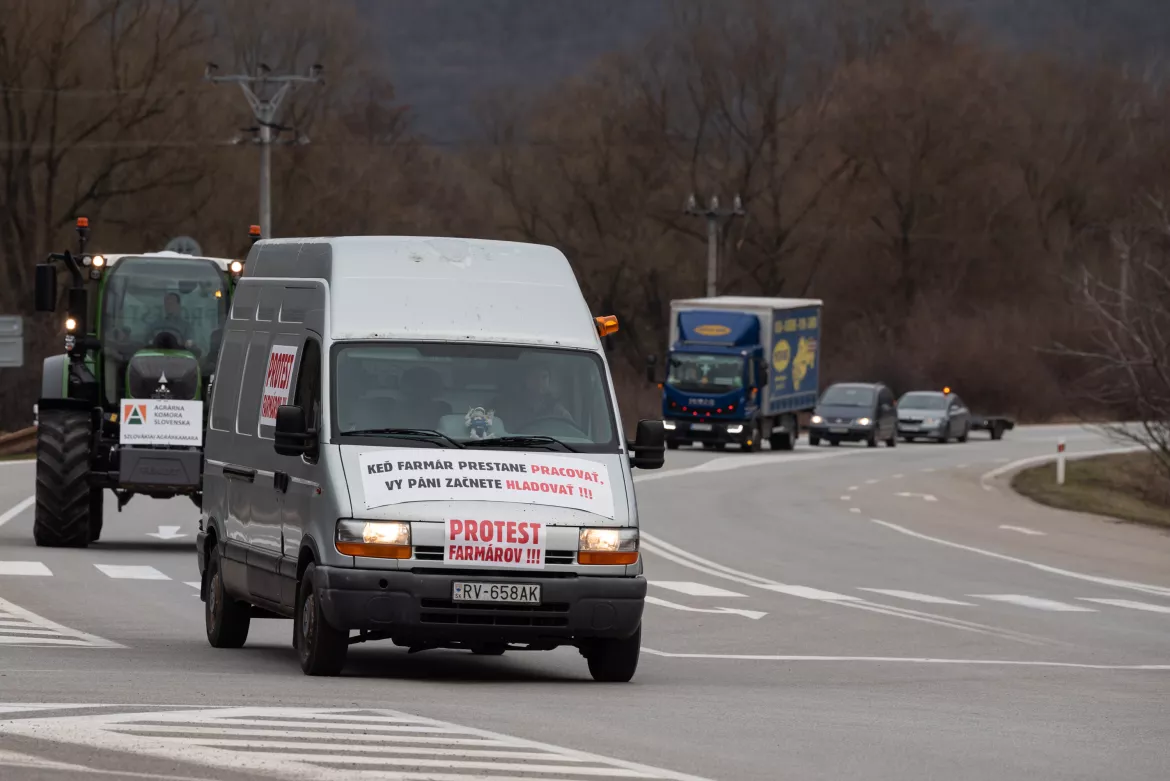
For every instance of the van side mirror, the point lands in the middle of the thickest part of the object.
(292, 438)
(648, 450)
(46, 288)
(651, 363)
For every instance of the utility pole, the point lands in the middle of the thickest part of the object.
(713, 214)
(265, 102)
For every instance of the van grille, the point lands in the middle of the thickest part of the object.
(435, 553)
(445, 611)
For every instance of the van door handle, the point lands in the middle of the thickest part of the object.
(280, 481)
(239, 473)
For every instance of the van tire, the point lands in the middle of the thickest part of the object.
(227, 621)
(814, 440)
(615, 659)
(64, 500)
(322, 649)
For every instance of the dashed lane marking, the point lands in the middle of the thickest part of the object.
(1035, 602)
(30, 568)
(312, 743)
(752, 614)
(1129, 603)
(846, 497)
(916, 597)
(20, 627)
(131, 572)
(681, 586)
(1022, 530)
(911, 660)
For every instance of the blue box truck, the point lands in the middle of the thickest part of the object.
(739, 370)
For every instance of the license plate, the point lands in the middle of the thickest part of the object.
(910, 426)
(700, 426)
(838, 431)
(516, 593)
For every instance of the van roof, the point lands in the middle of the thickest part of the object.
(437, 288)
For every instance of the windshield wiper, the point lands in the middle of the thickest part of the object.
(521, 441)
(417, 434)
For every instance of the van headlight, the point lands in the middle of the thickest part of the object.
(610, 545)
(863, 421)
(817, 419)
(374, 539)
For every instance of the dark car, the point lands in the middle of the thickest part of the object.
(855, 412)
(937, 415)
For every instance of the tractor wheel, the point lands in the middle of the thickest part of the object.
(65, 501)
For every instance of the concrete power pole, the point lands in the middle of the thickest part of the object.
(713, 214)
(265, 102)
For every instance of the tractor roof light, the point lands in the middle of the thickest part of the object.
(70, 324)
(99, 261)
(237, 267)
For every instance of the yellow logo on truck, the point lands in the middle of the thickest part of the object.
(781, 355)
(806, 358)
(712, 330)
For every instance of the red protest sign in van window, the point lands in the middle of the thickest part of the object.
(483, 543)
(277, 382)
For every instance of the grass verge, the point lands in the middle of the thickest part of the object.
(1128, 487)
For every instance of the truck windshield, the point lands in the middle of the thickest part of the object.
(466, 393)
(923, 401)
(847, 396)
(169, 303)
(696, 373)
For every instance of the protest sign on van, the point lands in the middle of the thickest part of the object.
(277, 381)
(512, 544)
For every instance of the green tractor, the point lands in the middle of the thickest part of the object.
(123, 408)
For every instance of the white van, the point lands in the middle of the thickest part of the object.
(417, 439)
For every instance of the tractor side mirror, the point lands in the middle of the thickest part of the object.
(46, 287)
(649, 445)
(292, 437)
(651, 363)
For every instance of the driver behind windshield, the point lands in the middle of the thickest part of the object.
(531, 401)
(172, 326)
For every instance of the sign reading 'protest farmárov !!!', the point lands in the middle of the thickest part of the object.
(397, 475)
(160, 422)
(277, 381)
(512, 544)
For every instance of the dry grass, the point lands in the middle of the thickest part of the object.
(1127, 487)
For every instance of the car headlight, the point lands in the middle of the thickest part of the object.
(611, 545)
(863, 421)
(930, 421)
(817, 419)
(374, 539)
(668, 425)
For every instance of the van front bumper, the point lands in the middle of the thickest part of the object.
(416, 608)
(843, 432)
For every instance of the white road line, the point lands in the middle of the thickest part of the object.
(929, 469)
(131, 572)
(1144, 587)
(684, 587)
(1129, 603)
(909, 660)
(961, 466)
(852, 488)
(1038, 603)
(845, 497)
(8, 515)
(899, 476)
(754, 614)
(31, 568)
(916, 597)
(1011, 466)
(805, 592)
(909, 495)
(870, 482)
(855, 509)
(1023, 530)
(193, 583)
(436, 751)
(735, 463)
(62, 635)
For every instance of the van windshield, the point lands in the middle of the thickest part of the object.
(473, 392)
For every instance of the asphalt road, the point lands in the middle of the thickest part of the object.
(828, 613)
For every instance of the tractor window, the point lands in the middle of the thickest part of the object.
(175, 304)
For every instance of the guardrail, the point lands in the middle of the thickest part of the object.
(19, 443)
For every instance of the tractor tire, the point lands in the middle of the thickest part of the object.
(65, 500)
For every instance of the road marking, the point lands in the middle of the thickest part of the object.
(909, 660)
(870, 482)
(357, 743)
(930, 469)
(33, 568)
(193, 583)
(754, 614)
(986, 477)
(916, 597)
(1129, 603)
(845, 497)
(855, 509)
(131, 572)
(25, 628)
(682, 586)
(8, 515)
(805, 592)
(925, 497)
(852, 488)
(1023, 530)
(899, 476)
(729, 463)
(167, 533)
(1133, 586)
(961, 466)
(1034, 602)
(14, 759)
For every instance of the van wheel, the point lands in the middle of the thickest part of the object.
(226, 619)
(814, 440)
(614, 660)
(963, 436)
(872, 440)
(322, 648)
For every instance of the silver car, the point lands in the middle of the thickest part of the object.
(940, 416)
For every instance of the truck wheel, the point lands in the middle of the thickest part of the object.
(321, 647)
(614, 660)
(814, 440)
(97, 506)
(64, 498)
(781, 441)
(227, 620)
(756, 436)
